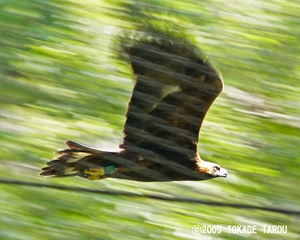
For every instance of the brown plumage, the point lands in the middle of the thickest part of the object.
(175, 86)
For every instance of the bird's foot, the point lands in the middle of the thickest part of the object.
(96, 173)
(92, 173)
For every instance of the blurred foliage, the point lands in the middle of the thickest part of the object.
(61, 78)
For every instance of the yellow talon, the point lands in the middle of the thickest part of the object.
(95, 171)
(93, 177)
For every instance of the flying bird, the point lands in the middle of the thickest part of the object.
(175, 87)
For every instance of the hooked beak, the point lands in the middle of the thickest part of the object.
(222, 173)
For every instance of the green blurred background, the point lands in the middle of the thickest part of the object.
(61, 78)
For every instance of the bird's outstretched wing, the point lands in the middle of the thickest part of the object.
(175, 87)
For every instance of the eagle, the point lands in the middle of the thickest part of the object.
(175, 86)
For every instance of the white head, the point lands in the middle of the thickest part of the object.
(212, 169)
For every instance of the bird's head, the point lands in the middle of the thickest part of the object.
(211, 169)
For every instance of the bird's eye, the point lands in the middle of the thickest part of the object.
(217, 168)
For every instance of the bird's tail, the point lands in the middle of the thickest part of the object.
(77, 160)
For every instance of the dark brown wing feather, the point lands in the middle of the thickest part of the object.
(175, 88)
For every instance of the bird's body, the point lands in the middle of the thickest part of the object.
(174, 89)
